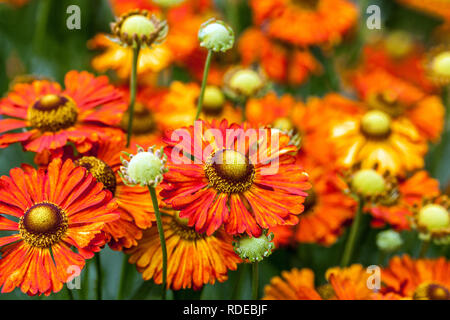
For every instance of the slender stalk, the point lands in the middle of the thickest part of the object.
(205, 79)
(43, 12)
(238, 284)
(424, 248)
(98, 266)
(349, 246)
(69, 293)
(133, 85)
(120, 293)
(161, 238)
(438, 155)
(255, 282)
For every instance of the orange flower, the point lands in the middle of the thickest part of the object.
(397, 209)
(281, 63)
(343, 284)
(245, 189)
(193, 259)
(118, 58)
(88, 109)
(57, 209)
(179, 107)
(326, 207)
(422, 279)
(374, 138)
(398, 98)
(319, 24)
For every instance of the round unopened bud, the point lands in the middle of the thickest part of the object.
(216, 35)
(440, 65)
(389, 241)
(376, 123)
(368, 182)
(139, 25)
(254, 249)
(434, 217)
(246, 82)
(146, 168)
(398, 44)
(213, 99)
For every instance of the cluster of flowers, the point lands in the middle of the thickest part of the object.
(337, 157)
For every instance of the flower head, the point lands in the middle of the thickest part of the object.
(57, 208)
(389, 240)
(432, 219)
(139, 28)
(145, 168)
(254, 249)
(216, 35)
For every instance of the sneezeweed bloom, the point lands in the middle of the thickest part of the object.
(118, 58)
(432, 219)
(134, 205)
(88, 109)
(145, 168)
(395, 209)
(373, 137)
(280, 20)
(216, 35)
(421, 279)
(298, 284)
(254, 249)
(57, 209)
(240, 179)
(193, 259)
(399, 98)
(438, 65)
(281, 63)
(139, 28)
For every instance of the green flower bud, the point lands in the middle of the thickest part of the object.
(389, 241)
(368, 182)
(254, 249)
(216, 35)
(434, 217)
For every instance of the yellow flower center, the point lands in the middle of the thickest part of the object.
(229, 171)
(138, 25)
(100, 170)
(441, 64)
(284, 124)
(143, 120)
(376, 124)
(368, 182)
(306, 4)
(52, 113)
(434, 217)
(326, 291)
(43, 224)
(213, 100)
(246, 82)
(431, 291)
(181, 228)
(398, 44)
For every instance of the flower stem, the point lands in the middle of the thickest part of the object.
(205, 79)
(349, 246)
(255, 282)
(123, 276)
(43, 12)
(98, 266)
(161, 238)
(424, 248)
(133, 85)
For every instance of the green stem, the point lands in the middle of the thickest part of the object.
(161, 238)
(98, 266)
(238, 284)
(123, 276)
(133, 85)
(349, 246)
(205, 79)
(255, 282)
(43, 12)
(69, 293)
(423, 249)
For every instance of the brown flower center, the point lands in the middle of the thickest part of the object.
(100, 170)
(431, 291)
(306, 4)
(52, 113)
(326, 291)
(43, 224)
(310, 201)
(143, 120)
(229, 171)
(181, 228)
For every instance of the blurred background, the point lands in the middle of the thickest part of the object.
(34, 40)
